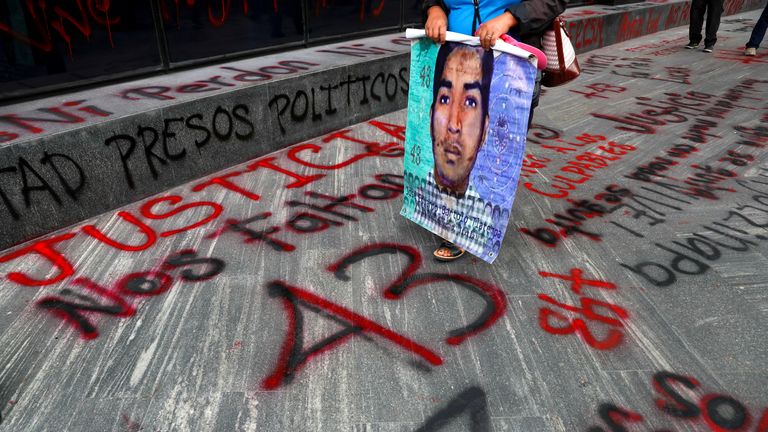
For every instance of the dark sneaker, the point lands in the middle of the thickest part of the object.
(709, 48)
(692, 45)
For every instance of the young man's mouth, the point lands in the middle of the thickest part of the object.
(452, 151)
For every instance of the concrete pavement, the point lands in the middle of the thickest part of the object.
(287, 294)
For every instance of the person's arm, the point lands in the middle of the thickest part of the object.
(492, 29)
(435, 20)
(535, 16)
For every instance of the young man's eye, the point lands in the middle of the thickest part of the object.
(444, 99)
(470, 102)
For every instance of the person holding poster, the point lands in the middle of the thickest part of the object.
(456, 144)
(465, 137)
(524, 20)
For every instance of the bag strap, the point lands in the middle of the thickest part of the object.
(476, 20)
(558, 28)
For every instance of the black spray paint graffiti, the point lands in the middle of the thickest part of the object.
(471, 401)
(361, 50)
(218, 82)
(56, 174)
(409, 279)
(570, 222)
(222, 124)
(313, 216)
(688, 256)
(721, 413)
(295, 299)
(680, 108)
(664, 192)
(74, 307)
(323, 101)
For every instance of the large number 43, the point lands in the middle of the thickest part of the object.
(293, 356)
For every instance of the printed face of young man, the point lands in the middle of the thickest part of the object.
(458, 123)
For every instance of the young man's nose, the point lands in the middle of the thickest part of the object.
(454, 118)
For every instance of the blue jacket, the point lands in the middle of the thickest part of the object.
(534, 17)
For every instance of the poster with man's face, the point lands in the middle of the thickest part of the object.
(465, 138)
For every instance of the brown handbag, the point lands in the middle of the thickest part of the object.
(562, 65)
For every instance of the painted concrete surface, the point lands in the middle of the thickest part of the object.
(287, 294)
(162, 134)
(71, 157)
(591, 26)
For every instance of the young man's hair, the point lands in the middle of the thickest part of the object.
(486, 67)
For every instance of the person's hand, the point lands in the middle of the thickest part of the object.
(437, 24)
(492, 29)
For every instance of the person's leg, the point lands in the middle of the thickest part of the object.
(535, 99)
(714, 12)
(698, 7)
(758, 33)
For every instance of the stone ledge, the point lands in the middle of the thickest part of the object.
(164, 132)
(103, 148)
(593, 27)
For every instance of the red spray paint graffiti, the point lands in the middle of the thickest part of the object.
(169, 207)
(588, 305)
(218, 12)
(721, 413)
(582, 167)
(43, 16)
(64, 268)
(76, 307)
(292, 358)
